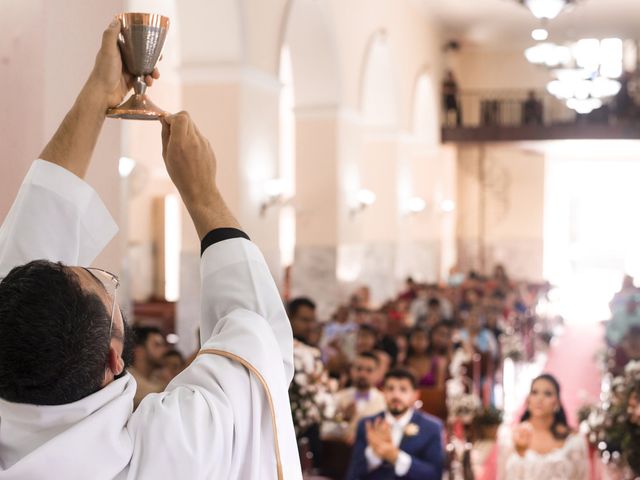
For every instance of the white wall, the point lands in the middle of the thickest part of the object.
(501, 209)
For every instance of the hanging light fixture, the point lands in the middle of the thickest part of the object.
(548, 54)
(540, 34)
(584, 106)
(585, 71)
(546, 9)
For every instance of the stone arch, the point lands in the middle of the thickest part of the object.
(308, 33)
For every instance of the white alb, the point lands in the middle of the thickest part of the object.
(216, 420)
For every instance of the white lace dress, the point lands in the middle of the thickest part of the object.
(569, 462)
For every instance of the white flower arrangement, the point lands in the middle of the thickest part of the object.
(311, 391)
(458, 361)
(632, 370)
(511, 346)
(463, 407)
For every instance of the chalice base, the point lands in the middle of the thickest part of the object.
(137, 107)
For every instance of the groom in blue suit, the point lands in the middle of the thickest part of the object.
(399, 442)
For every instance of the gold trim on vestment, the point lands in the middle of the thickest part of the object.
(261, 379)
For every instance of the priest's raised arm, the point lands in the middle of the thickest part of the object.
(239, 382)
(52, 201)
(66, 400)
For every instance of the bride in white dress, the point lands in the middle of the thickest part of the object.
(543, 447)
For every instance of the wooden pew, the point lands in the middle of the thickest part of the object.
(434, 402)
(336, 456)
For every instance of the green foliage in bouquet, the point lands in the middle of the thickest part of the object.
(488, 416)
(614, 425)
(631, 441)
(310, 392)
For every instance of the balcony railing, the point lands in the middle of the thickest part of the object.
(510, 115)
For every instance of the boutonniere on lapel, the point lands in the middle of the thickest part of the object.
(411, 430)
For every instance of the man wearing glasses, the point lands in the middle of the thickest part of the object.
(65, 395)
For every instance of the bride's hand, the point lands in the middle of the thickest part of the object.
(522, 436)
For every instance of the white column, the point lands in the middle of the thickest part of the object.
(328, 146)
(236, 108)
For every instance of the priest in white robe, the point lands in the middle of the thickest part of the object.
(227, 416)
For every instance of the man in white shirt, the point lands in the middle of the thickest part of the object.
(362, 399)
(400, 442)
(65, 396)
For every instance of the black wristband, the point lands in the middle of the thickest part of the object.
(219, 235)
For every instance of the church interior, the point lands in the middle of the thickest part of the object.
(445, 187)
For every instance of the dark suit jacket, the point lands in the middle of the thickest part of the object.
(426, 450)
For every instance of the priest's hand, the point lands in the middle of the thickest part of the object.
(192, 165)
(109, 80)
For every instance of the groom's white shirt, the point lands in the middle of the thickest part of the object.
(215, 420)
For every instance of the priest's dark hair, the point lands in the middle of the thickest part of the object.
(54, 336)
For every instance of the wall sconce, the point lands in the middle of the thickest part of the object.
(273, 194)
(415, 205)
(363, 199)
(126, 166)
(447, 206)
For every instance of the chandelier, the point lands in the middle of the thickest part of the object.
(585, 72)
(546, 9)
